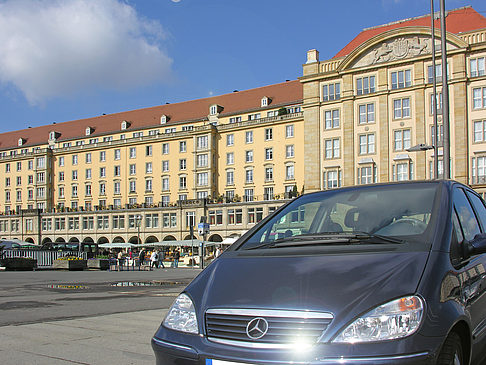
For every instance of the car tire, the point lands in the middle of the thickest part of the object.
(451, 353)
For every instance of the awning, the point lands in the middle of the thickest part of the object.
(117, 245)
(194, 243)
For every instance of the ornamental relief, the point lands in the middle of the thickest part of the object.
(397, 49)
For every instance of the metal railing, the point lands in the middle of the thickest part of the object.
(44, 259)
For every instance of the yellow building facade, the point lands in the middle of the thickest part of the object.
(149, 175)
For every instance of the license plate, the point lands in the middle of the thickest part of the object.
(221, 362)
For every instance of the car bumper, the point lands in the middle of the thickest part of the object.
(197, 350)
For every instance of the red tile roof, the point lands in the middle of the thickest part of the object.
(237, 102)
(457, 21)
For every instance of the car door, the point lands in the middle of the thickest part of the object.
(471, 216)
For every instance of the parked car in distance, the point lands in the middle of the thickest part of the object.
(374, 274)
(9, 245)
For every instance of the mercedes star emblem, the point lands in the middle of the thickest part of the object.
(257, 328)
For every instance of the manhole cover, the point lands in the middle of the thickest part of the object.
(67, 286)
(145, 283)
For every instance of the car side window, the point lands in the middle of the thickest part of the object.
(465, 213)
(478, 205)
(456, 241)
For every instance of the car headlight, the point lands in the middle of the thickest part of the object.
(396, 319)
(182, 316)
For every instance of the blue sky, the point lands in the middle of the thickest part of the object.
(63, 60)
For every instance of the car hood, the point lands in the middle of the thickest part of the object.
(345, 285)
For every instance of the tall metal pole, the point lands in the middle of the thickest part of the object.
(434, 98)
(445, 95)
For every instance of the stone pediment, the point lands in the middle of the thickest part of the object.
(397, 45)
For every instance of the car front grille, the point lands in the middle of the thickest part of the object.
(282, 327)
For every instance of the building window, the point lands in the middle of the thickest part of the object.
(331, 92)
(234, 120)
(230, 177)
(61, 161)
(230, 158)
(41, 163)
(366, 113)
(132, 186)
(117, 154)
(230, 140)
(182, 164)
(441, 135)
(202, 179)
(401, 108)
(480, 131)
(213, 109)
(268, 173)
(479, 98)
(19, 180)
(133, 152)
(268, 134)
(148, 167)
(269, 153)
(215, 217)
(249, 156)
(365, 85)
(402, 139)
(132, 168)
(249, 137)
(102, 156)
(367, 144)
(169, 220)
(289, 172)
(332, 179)
(476, 66)
(102, 171)
(438, 100)
(438, 73)
(289, 151)
(403, 171)
(88, 174)
(148, 185)
(102, 188)
(254, 116)
(235, 216)
(182, 146)
(332, 147)
(401, 79)
(202, 160)
(165, 166)
(88, 190)
(202, 142)
(165, 184)
(332, 118)
(75, 159)
(367, 175)
(249, 176)
(74, 191)
(268, 193)
(117, 187)
(61, 192)
(118, 221)
(182, 182)
(74, 175)
(117, 170)
(289, 131)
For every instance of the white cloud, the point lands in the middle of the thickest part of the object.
(52, 48)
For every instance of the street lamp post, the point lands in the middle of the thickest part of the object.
(139, 220)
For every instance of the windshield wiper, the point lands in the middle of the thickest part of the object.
(327, 238)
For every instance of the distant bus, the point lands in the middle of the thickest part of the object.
(89, 247)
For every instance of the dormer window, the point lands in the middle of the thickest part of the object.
(53, 135)
(125, 125)
(89, 130)
(265, 101)
(164, 119)
(21, 141)
(215, 109)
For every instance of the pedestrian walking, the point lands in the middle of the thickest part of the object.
(218, 252)
(120, 260)
(141, 257)
(154, 260)
(161, 256)
(177, 256)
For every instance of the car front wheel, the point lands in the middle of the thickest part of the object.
(451, 353)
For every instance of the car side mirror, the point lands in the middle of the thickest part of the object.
(477, 245)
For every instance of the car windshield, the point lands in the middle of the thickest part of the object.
(373, 214)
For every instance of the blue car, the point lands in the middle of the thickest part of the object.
(377, 274)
